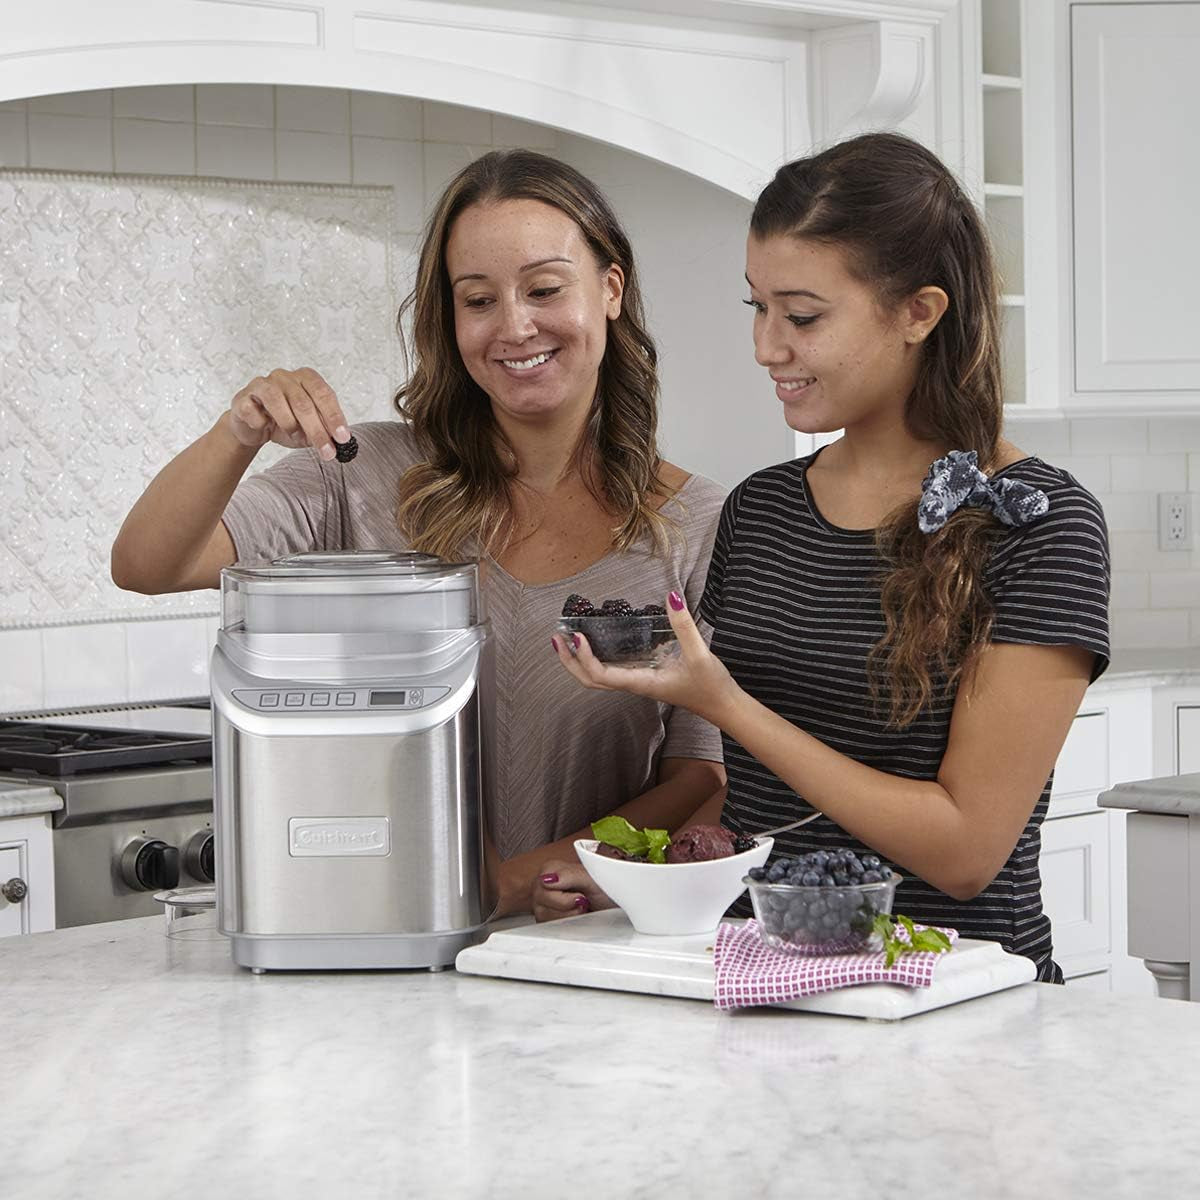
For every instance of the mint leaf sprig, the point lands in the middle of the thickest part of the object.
(650, 844)
(918, 939)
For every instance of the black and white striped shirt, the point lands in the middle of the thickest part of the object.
(795, 605)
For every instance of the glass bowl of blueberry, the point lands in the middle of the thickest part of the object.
(823, 902)
(618, 633)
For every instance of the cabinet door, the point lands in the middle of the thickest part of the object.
(1135, 96)
(1187, 739)
(12, 916)
(1075, 887)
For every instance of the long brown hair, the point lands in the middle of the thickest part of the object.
(905, 224)
(460, 499)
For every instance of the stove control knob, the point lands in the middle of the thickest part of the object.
(14, 891)
(148, 864)
(199, 859)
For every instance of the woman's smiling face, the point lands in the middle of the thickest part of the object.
(836, 356)
(531, 306)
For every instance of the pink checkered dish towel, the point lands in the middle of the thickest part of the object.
(749, 972)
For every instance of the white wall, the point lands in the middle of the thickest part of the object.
(328, 136)
(1127, 462)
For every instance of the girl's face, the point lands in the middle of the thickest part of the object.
(531, 307)
(836, 356)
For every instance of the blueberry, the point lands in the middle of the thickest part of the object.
(810, 879)
(757, 873)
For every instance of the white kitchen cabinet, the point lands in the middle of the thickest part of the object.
(1135, 93)
(1187, 739)
(1075, 889)
(26, 855)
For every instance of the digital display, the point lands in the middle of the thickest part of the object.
(389, 698)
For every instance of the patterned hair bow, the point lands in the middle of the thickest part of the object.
(956, 480)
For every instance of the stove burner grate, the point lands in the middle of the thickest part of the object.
(62, 750)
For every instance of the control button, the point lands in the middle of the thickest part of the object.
(416, 696)
(345, 699)
(293, 699)
(320, 699)
(269, 700)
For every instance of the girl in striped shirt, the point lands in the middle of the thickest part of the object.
(907, 619)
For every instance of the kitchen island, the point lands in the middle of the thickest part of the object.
(138, 1065)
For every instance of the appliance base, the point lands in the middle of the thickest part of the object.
(351, 952)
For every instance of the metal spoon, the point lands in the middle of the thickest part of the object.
(785, 828)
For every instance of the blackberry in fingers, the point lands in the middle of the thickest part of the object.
(345, 451)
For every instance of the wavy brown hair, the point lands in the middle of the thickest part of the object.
(460, 497)
(904, 223)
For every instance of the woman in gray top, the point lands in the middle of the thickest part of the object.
(530, 442)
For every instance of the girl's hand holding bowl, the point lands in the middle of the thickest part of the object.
(693, 678)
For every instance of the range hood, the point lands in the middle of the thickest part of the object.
(723, 89)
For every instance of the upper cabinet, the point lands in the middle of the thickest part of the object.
(1135, 99)
(1086, 163)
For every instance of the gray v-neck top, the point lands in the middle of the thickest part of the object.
(563, 755)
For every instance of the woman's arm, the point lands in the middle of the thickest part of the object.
(173, 539)
(684, 785)
(955, 832)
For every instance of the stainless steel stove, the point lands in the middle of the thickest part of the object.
(136, 784)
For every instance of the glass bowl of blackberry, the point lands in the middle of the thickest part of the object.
(619, 633)
(823, 902)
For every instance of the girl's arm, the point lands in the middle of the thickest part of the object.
(955, 832)
(684, 785)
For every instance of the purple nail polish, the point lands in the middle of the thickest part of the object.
(676, 601)
(549, 879)
(575, 640)
(581, 903)
(554, 645)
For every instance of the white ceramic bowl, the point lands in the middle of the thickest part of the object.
(673, 898)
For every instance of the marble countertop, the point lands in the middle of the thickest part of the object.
(25, 799)
(135, 1063)
(1143, 668)
(1177, 795)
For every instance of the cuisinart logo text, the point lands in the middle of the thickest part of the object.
(339, 837)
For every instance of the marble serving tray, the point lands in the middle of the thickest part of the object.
(602, 950)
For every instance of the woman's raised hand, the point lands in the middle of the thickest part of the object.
(292, 408)
(694, 678)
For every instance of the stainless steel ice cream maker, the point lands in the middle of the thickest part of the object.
(348, 760)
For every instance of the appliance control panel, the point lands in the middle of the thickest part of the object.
(300, 698)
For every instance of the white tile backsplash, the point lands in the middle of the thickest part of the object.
(1169, 434)
(373, 114)
(1175, 589)
(1109, 435)
(70, 143)
(235, 152)
(13, 139)
(1129, 512)
(312, 157)
(1149, 473)
(1151, 628)
(312, 110)
(235, 104)
(22, 683)
(442, 162)
(455, 123)
(154, 147)
(84, 664)
(1094, 471)
(511, 131)
(75, 104)
(167, 658)
(169, 102)
(399, 165)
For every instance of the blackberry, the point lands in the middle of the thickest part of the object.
(345, 451)
(652, 610)
(617, 608)
(742, 843)
(577, 606)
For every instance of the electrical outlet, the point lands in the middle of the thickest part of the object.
(1174, 521)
